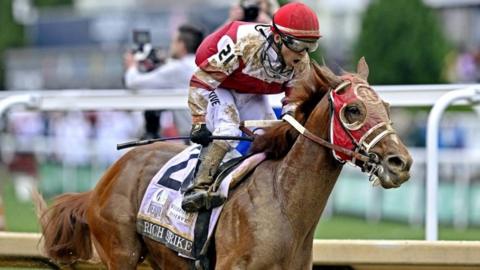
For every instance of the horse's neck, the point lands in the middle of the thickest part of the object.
(308, 174)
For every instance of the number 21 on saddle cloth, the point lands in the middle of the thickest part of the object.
(161, 216)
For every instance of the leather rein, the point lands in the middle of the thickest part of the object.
(305, 132)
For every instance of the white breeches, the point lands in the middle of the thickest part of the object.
(227, 108)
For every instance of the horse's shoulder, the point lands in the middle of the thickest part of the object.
(258, 178)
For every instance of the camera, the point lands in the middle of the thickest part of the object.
(251, 9)
(147, 56)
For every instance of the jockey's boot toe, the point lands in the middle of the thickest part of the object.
(214, 199)
(201, 200)
(194, 201)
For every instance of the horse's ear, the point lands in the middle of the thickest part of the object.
(362, 68)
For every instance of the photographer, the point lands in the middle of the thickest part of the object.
(177, 69)
(260, 11)
(174, 73)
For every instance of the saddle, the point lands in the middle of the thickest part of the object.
(161, 217)
(226, 168)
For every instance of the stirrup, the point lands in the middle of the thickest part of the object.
(202, 200)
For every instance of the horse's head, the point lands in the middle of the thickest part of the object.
(360, 121)
(360, 128)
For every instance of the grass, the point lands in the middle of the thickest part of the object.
(20, 217)
(340, 227)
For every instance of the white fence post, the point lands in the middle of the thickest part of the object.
(431, 214)
(31, 101)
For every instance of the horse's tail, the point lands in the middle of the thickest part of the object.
(64, 226)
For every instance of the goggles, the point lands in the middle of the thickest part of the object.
(298, 45)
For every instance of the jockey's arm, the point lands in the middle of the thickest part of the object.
(208, 76)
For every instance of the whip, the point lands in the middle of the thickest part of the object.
(150, 141)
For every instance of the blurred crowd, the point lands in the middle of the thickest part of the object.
(145, 71)
(66, 138)
(82, 138)
(463, 65)
(61, 137)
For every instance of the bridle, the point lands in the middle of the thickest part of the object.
(305, 132)
(360, 147)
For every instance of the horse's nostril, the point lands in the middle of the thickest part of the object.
(396, 162)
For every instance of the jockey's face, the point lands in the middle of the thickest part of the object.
(292, 58)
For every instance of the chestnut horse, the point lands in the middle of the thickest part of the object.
(270, 218)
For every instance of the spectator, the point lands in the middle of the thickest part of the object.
(477, 64)
(113, 127)
(466, 66)
(260, 11)
(72, 132)
(175, 73)
(26, 127)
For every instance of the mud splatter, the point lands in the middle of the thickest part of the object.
(197, 102)
(250, 46)
(232, 113)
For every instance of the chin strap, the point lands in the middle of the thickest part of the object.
(271, 68)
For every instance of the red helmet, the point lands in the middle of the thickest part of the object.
(296, 20)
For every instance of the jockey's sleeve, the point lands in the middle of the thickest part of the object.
(209, 75)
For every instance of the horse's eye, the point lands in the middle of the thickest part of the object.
(353, 115)
(352, 110)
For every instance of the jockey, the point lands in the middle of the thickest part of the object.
(237, 65)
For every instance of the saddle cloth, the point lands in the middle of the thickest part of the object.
(161, 217)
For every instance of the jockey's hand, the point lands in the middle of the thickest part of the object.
(200, 134)
(129, 60)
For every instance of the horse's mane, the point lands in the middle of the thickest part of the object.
(277, 140)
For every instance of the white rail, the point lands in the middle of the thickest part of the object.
(398, 95)
(471, 94)
(121, 99)
(23, 249)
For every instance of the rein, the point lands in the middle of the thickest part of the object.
(292, 121)
(371, 163)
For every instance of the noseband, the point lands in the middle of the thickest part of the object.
(358, 148)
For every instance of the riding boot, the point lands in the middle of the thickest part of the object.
(197, 197)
